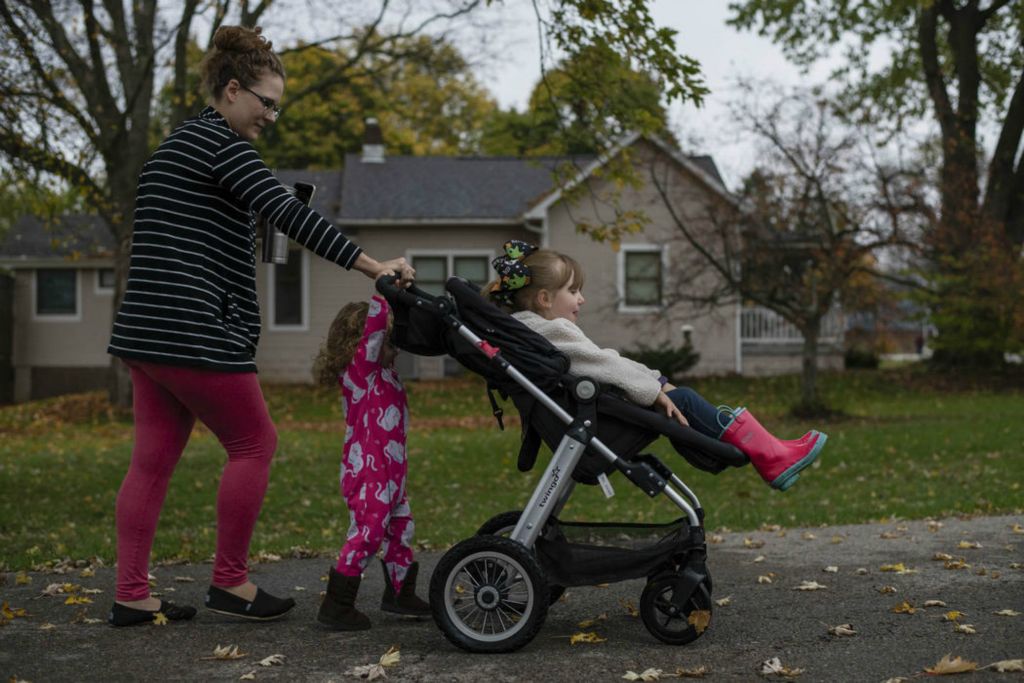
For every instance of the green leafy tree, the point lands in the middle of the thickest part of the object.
(960, 63)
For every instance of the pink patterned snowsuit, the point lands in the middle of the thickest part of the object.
(374, 466)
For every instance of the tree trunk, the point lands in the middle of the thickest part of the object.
(810, 404)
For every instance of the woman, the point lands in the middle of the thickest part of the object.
(189, 323)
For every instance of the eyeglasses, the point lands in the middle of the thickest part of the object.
(268, 104)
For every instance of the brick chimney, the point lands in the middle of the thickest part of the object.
(373, 143)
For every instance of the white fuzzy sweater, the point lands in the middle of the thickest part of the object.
(606, 366)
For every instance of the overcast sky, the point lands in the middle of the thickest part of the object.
(723, 52)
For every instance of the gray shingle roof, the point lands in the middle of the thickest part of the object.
(486, 188)
(74, 235)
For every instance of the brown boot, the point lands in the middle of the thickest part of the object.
(338, 610)
(406, 602)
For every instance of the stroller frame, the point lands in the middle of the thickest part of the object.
(493, 565)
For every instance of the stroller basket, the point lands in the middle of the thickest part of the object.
(584, 554)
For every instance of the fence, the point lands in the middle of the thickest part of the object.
(762, 325)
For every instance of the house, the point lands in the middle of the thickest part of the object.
(448, 216)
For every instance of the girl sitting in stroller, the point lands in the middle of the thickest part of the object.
(543, 289)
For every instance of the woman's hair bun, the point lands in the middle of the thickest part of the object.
(240, 39)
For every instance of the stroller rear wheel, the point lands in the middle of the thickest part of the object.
(489, 594)
(502, 525)
(669, 623)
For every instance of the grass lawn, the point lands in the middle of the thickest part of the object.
(909, 445)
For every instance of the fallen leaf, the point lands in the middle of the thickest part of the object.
(699, 620)
(759, 558)
(904, 608)
(831, 569)
(842, 630)
(965, 628)
(272, 660)
(77, 600)
(46, 627)
(810, 586)
(934, 603)
(837, 539)
(886, 589)
(934, 526)
(898, 568)
(1006, 666)
(808, 536)
(22, 579)
(951, 665)
(1007, 613)
(968, 545)
(698, 672)
(251, 676)
(861, 571)
(716, 538)
(890, 534)
(953, 615)
(226, 652)
(184, 579)
(160, 619)
(88, 572)
(630, 608)
(752, 543)
(7, 613)
(764, 579)
(586, 637)
(897, 679)
(374, 671)
(1017, 528)
(391, 657)
(943, 557)
(645, 675)
(590, 623)
(776, 667)
(957, 564)
(727, 600)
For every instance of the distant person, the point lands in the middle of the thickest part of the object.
(190, 321)
(358, 357)
(544, 291)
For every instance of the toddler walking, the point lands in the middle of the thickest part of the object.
(359, 357)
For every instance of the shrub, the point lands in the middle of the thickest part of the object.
(671, 361)
(860, 358)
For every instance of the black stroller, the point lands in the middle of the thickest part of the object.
(491, 592)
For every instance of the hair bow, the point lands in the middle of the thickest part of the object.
(513, 274)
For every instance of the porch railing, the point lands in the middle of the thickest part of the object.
(762, 325)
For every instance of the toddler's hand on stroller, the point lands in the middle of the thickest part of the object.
(665, 404)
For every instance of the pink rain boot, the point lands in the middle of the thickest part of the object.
(778, 462)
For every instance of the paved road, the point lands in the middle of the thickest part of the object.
(761, 620)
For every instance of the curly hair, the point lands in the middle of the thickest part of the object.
(342, 341)
(240, 53)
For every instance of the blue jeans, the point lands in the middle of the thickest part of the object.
(701, 415)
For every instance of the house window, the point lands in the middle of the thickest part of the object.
(641, 277)
(433, 270)
(105, 280)
(289, 291)
(56, 293)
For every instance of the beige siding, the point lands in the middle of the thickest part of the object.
(714, 335)
(41, 342)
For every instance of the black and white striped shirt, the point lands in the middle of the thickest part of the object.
(191, 291)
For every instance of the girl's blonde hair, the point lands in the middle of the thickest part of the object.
(342, 341)
(240, 53)
(550, 270)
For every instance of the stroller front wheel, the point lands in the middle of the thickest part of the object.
(668, 622)
(489, 594)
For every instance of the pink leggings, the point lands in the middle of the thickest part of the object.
(167, 401)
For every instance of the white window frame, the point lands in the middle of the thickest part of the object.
(621, 276)
(452, 254)
(272, 326)
(100, 289)
(76, 317)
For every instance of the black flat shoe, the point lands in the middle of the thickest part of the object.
(263, 608)
(120, 615)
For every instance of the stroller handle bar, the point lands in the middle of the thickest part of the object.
(412, 295)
